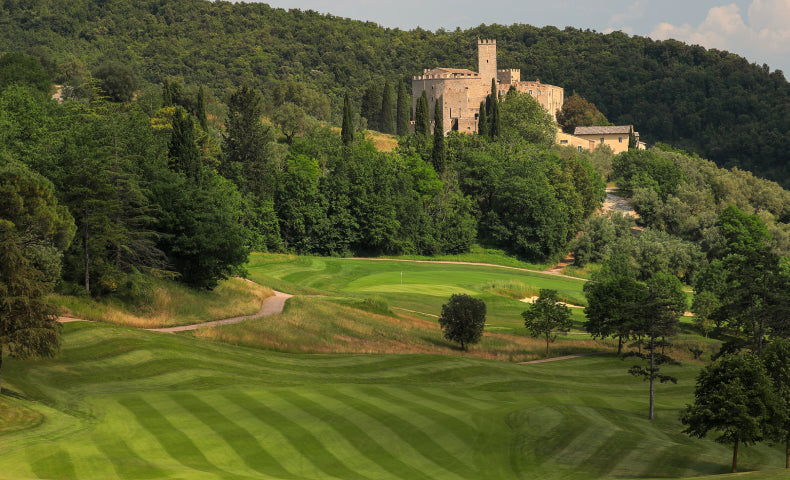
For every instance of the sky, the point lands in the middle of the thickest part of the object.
(756, 29)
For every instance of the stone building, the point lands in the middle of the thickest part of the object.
(616, 137)
(463, 90)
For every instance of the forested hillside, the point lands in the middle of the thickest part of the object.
(706, 101)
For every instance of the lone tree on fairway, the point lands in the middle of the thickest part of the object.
(733, 396)
(463, 319)
(547, 316)
(655, 319)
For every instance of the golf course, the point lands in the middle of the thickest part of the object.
(353, 380)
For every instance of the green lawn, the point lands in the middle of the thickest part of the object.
(125, 403)
(131, 404)
(421, 287)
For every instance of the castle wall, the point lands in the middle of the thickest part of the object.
(462, 91)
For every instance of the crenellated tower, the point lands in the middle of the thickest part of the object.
(486, 60)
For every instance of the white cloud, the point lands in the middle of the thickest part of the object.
(635, 11)
(764, 38)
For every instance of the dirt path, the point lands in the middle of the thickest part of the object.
(271, 306)
(566, 357)
(544, 272)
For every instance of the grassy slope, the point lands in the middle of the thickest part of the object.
(124, 403)
(425, 286)
(168, 303)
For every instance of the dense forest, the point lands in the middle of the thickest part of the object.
(708, 102)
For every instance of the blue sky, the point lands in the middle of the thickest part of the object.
(757, 29)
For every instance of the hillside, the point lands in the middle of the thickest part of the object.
(709, 102)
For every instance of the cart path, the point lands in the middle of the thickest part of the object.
(271, 306)
(551, 272)
(566, 357)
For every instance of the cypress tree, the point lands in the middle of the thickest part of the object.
(496, 125)
(439, 153)
(421, 123)
(386, 122)
(182, 150)
(482, 120)
(370, 107)
(200, 112)
(404, 105)
(347, 130)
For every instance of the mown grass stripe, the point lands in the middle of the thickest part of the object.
(356, 436)
(409, 433)
(246, 446)
(56, 464)
(174, 441)
(454, 399)
(434, 420)
(126, 463)
(302, 439)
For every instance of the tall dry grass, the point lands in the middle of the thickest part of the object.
(315, 325)
(169, 304)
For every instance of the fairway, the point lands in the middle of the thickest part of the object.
(420, 287)
(124, 403)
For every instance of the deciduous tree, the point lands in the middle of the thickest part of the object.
(547, 316)
(733, 396)
(463, 319)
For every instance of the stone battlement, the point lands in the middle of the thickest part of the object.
(486, 42)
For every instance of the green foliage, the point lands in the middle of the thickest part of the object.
(182, 150)
(370, 109)
(463, 319)
(577, 111)
(21, 69)
(118, 80)
(422, 124)
(776, 358)
(403, 113)
(636, 169)
(387, 118)
(34, 229)
(733, 396)
(347, 130)
(439, 152)
(482, 121)
(547, 316)
(521, 117)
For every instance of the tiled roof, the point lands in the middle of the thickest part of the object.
(602, 130)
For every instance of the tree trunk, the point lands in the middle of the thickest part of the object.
(1, 367)
(547, 346)
(619, 345)
(735, 457)
(787, 452)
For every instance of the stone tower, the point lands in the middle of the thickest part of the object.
(486, 61)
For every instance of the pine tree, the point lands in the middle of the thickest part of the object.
(482, 120)
(347, 131)
(386, 121)
(404, 105)
(439, 153)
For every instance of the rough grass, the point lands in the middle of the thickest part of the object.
(124, 403)
(317, 325)
(382, 141)
(168, 304)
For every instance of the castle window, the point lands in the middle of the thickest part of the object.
(563, 141)
(601, 139)
(620, 139)
(530, 92)
(580, 148)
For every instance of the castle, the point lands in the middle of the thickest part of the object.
(462, 90)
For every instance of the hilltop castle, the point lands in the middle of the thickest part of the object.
(462, 90)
